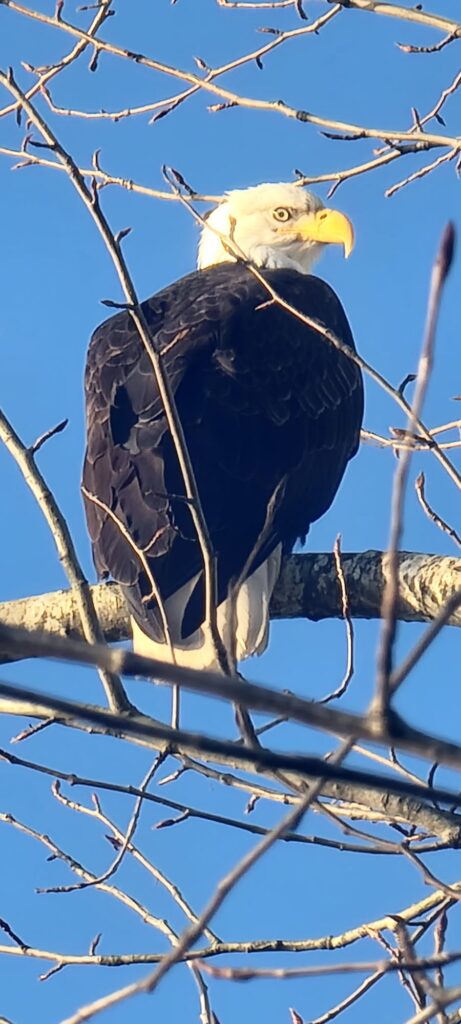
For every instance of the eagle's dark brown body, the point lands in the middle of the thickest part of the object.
(265, 403)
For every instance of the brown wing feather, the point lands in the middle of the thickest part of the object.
(261, 397)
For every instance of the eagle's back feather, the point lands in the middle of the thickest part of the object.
(265, 402)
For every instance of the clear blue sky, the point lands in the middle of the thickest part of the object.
(55, 271)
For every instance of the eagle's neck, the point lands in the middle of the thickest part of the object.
(298, 258)
(211, 250)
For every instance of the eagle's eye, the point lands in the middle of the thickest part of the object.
(282, 214)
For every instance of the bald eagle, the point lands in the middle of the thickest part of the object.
(271, 413)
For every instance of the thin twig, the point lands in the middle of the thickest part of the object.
(225, 886)
(254, 103)
(421, 172)
(430, 512)
(120, 838)
(102, 13)
(341, 689)
(403, 441)
(47, 435)
(169, 103)
(128, 901)
(413, 966)
(28, 159)
(21, 700)
(141, 555)
(439, 275)
(125, 840)
(24, 457)
(435, 48)
(349, 1000)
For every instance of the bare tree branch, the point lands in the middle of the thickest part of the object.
(390, 136)
(307, 589)
(388, 632)
(82, 596)
(395, 732)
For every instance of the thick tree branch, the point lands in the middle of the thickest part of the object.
(308, 588)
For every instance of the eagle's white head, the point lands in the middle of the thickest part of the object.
(273, 225)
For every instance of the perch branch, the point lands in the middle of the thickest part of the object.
(307, 589)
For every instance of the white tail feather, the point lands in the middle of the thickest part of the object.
(249, 618)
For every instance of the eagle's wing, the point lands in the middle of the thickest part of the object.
(265, 403)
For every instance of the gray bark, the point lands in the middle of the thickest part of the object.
(308, 588)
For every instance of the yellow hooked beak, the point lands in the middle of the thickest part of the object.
(326, 226)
